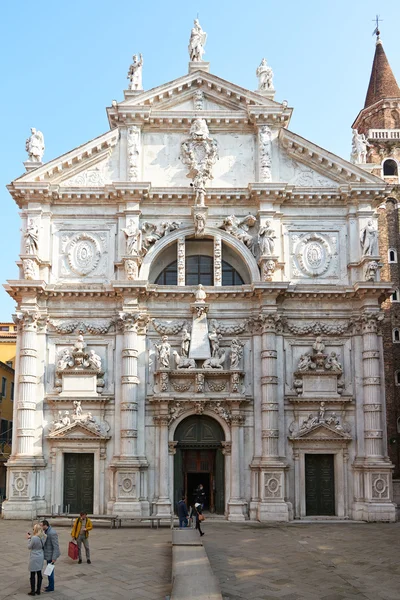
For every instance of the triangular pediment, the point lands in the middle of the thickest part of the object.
(76, 430)
(322, 431)
(307, 165)
(92, 164)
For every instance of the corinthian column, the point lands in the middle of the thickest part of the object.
(272, 480)
(236, 505)
(163, 504)
(27, 380)
(129, 386)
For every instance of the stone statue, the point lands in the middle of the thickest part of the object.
(236, 353)
(265, 75)
(239, 229)
(197, 42)
(308, 423)
(94, 361)
(266, 240)
(135, 73)
(214, 338)
(359, 147)
(183, 362)
(164, 352)
(31, 238)
(65, 361)
(133, 239)
(318, 345)
(334, 421)
(66, 419)
(304, 363)
(185, 343)
(199, 224)
(35, 146)
(200, 294)
(333, 363)
(77, 409)
(80, 344)
(369, 240)
(152, 233)
(321, 413)
(215, 362)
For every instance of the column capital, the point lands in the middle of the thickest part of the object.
(133, 322)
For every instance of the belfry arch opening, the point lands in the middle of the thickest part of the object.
(199, 459)
(390, 168)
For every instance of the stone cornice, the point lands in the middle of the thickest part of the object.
(369, 111)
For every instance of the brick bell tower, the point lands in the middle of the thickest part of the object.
(379, 122)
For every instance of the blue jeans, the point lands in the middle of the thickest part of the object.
(51, 579)
(183, 522)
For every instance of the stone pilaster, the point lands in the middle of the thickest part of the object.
(26, 461)
(236, 504)
(217, 261)
(272, 468)
(374, 471)
(163, 503)
(181, 260)
(127, 466)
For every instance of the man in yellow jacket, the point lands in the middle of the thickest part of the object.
(80, 533)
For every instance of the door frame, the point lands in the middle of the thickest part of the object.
(57, 472)
(318, 473)
(80, 454)
(340, 467)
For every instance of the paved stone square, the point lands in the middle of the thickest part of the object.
(318, 561)
(130, 563)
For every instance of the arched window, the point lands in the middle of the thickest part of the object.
(395, 297)
(199, 269)
(392, 255)
(390, 168)
(396, 335)
(397, 378)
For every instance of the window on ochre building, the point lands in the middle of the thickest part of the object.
(3, 386)
(392, 255)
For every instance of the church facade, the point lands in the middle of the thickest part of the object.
(199, 302)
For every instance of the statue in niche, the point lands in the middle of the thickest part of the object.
(199, 224)
(35, 146)
(77, 409)
(164, 352)
(214, 338)
(236, 353)
(359, 145)
(239, 229)
(369, 240)
(200, 294)
(185, 343)
(266, 240)
(31, 238)
(94, 361)
(333, 363)
(133, 239)
(265, 75)
(135, 73)
(197, 42)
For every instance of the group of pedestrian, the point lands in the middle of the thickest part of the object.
(44, 546)
(196, 511)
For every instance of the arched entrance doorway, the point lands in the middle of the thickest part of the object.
(199, 459)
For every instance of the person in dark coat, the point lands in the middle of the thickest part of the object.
(200, 495)
(51, 551)
(182, 513)
(197, 512)
(36, 546)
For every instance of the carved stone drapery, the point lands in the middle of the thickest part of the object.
(199, 152)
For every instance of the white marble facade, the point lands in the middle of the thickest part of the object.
(289, 362)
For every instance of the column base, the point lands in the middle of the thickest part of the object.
(25, 488)
(129, 509)
(373, 512)
(253, 510)
(25, 509)
(274, 511)
(163, 508)
(237, 510)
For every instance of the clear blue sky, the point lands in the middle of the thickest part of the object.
(62, 62)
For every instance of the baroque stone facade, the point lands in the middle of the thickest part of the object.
(197, 309)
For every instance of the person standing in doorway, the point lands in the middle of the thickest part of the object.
(199, 517)
(200, 496)
(36, 546)
(182, 513)
(51, 551)
(80, 533)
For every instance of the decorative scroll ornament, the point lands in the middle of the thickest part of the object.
(199, 152)
(265, 153)
(239, 229)
(90, 178)
(26, 320)
(133, 142)
(83, 253)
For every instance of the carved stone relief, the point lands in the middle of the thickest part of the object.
(133, 143)
(83, 252)
(302, 175)
(126, 485)
(169, 327)
(93, 327)
(265, 151)
(20, 484)
(30, 268)
(314, 254)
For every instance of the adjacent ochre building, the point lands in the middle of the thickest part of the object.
(199, 302)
